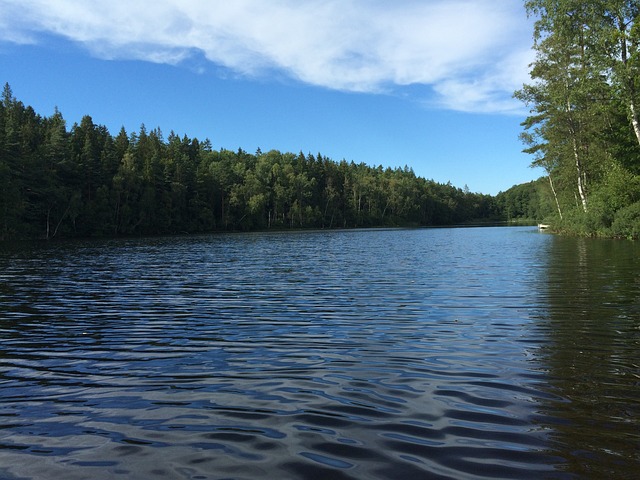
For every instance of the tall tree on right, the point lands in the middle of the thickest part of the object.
(618, 42)
(584, 75)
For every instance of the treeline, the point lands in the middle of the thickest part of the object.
(528, 203)
(84, 181)
(584, 125)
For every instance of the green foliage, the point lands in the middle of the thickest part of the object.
(83, 182)
(584, 127)
(529, 202)
(627, 222)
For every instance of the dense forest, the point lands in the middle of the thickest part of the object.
(583, 130)
(79, 182)
(584, 122)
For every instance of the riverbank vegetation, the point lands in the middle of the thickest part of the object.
(584, 123)
(83, 181)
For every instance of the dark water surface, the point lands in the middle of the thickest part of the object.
(392, 354)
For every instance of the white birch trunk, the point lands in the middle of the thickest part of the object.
(555, 196)
(581, 186)
(634, 120)
(624, 57)
(576, 154)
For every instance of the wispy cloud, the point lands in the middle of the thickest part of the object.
(471, 53)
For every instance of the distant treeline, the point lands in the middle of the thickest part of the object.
(83, 182)
(530, 202)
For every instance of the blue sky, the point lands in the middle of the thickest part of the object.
(423, 83)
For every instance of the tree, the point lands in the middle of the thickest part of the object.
(11, 200)
(561, 95)
(619, 52)
(584, 123)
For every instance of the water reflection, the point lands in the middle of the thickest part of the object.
(363, 354)
(593, 322)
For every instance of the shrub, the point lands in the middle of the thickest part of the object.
(627, 222)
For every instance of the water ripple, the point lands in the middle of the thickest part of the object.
(379, 354)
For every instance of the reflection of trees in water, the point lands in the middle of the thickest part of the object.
(592, 292)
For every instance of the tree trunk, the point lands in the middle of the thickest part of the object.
(385, 210)
(581, 186)
(634, 120)
(555, 196)
(629, 80)
(576, 155)
(55, 231)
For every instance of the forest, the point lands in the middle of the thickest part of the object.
(59, 182)
(583, 128)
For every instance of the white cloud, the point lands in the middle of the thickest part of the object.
(468, 51)
(490, 88)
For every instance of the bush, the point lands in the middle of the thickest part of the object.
(627, 222)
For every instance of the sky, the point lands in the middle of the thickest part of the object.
(421, 83)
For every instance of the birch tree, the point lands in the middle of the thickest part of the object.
(569, 95)
(619, 52)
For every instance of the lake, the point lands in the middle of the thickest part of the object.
(460, 353)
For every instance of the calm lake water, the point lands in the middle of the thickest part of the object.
(467, 353)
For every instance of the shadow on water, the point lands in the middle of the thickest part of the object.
(592, 292)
